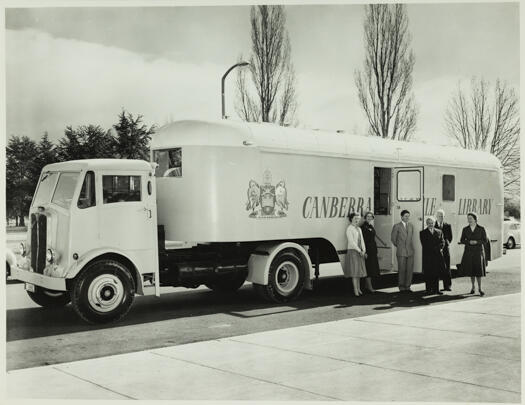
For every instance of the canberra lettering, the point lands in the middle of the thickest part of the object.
(334, 207)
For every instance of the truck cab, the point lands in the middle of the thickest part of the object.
(92, 238)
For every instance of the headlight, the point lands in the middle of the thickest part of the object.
(22, 249)
(50, 256)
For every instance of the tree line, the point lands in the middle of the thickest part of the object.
(266, 91)
(127, 139)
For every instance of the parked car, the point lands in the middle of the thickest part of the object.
(511, 233)
(10, 261)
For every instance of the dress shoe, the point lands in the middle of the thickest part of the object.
(472, 291)
(439, 293)
(481, 293)
(447, 289)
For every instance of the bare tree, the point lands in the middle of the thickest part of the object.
(477, 123)
(271, 71)
(385, 83)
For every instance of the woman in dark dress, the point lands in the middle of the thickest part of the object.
(474, 260)
(371, 261)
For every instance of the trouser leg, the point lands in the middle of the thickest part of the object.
(447, 278)
(435, 284)
(401, 272)
(409, 271)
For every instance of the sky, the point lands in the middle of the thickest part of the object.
(78, 66)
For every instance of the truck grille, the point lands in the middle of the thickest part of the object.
(38, 242)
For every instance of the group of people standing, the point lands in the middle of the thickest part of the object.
(362, 260)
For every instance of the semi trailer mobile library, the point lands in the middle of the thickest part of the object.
(225, 202)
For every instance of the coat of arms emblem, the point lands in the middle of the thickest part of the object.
(267, 200)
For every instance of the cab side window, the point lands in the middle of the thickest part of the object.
(120, 189)
(87, 193)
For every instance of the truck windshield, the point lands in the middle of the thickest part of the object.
(45, 188)
(65, 189)
(169, 162)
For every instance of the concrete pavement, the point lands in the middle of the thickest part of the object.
(462, 351)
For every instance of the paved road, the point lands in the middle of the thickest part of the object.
(37, 336)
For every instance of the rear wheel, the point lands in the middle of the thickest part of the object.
(228, 283)
(49, 298)
(285, 278)
(103, 292)
(511, 244)
(7, 270)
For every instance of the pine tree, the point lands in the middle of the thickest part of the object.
(86, 142)
(20, 175)
(132, 138)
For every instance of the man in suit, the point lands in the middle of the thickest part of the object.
(447, 235)
(433, 243)
(401, 237)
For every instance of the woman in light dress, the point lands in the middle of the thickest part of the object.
(355, 255)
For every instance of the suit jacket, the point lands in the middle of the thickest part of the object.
(432, 243)
(447, 234)
(402, 239)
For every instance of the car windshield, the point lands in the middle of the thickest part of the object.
(64, 190)
(45, 188)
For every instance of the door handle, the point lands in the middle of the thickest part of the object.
(148, 211)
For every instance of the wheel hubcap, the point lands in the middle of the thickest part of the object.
(286, 278)
(105, 293)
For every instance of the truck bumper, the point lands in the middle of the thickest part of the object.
(51, 283)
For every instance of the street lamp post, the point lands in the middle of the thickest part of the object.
(222, 84)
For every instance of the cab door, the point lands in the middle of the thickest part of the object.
(128, 217)
(408, 194)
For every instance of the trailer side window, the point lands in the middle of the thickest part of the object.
(169, 162)
(409, 185)
(449, 187)
(86, 198)
(120, 188)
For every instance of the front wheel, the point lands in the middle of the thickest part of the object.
(285, 278)
(103, 292)
(49, 298)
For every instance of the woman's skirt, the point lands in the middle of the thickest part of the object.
(354, 264)
(372, 266)
(473, 262)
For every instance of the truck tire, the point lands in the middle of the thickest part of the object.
(49, 298)
(227, 284)
(511, 244)
(103, 292)
(285, 278)
(7, 270)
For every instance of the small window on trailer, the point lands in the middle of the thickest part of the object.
(449, 187)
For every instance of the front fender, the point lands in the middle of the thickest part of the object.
(10, 257)
(87, 257)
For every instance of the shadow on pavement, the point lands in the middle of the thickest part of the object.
(30, 323)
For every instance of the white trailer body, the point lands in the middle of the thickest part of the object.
(323, 176)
